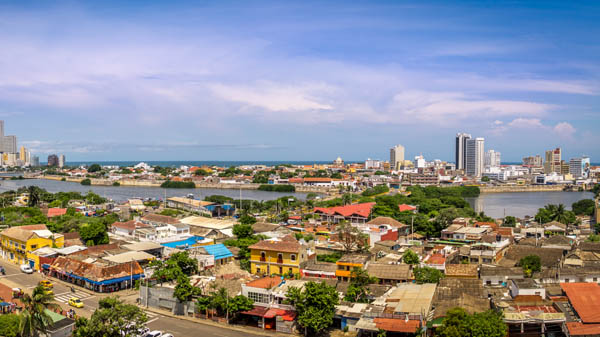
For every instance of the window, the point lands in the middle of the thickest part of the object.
(280, 270)
(33, 247)
(488, 283)
(279, 257)
(23, 246)
(293, 257)
(566, 280)
(263, 256)
(595, 279)
(291, 271)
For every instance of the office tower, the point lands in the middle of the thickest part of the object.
(396, 157)
(533, 161)
(9, 144)
(553, 161)
(419, 162)
(492, 158)
(61, 161)
(52, 160)
(580, 167)
(461, 142)
(23, 154)
(474, 154)
(35, 161)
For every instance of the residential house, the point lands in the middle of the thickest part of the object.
(18, 243)
(127, 228)
(355, 214)
(390, 273)
(347, 263)
(312, 268)
(387, 222)
(221, 255)
(525, 286)
(584, 307)
(201, 206)
(278, 256)
(462, 270)
(492, 275)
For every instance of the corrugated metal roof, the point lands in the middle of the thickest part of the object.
(219, 251)
(585, 298)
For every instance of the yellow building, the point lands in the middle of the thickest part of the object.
(18, 243)
(347, 263)
(277, 257)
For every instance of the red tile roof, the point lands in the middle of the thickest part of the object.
(436, 259)
(265, 282)
(317, 180)
(52, 212)
(580, 329)
(129, 225)
(405, 207)
(492, 225)
(505, 231)
(362, 210)
(34, 227)
(397, 325)
(585, 298)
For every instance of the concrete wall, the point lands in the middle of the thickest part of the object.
(532, 188)
(162, 298)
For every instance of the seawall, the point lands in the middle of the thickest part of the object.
(530, 188)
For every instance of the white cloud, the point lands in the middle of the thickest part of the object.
(564, 129)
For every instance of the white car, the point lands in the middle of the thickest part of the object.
(167, 335)
(26, 269)
(154, 333)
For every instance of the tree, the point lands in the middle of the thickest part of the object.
(34, 196)
(9, 325)
(458, 323)
(358, 290)
(593, 238)
(86, 182)
(94, 233)
(410, 257)
(350, 236)
(509, 221)
(584, 207)
(113, 318)
(94, 168)
(347, 199)
(530, 264)
(34, 318)
(555, 213)
(427, 275)
(243, 231)
(184, 289)
(247, 220)
(203, 303)
(315, 305)
(238, 304)
(178, 264)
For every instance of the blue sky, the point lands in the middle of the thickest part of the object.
(305, 80)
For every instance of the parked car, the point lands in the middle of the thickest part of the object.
(26, 269)
(167, 335)
(154, 333)
(75, 302)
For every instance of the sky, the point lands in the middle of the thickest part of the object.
(299, 80)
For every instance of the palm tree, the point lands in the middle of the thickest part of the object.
(34, 196)
(33, 318)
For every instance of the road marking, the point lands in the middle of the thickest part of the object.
(154, 316)
(64, 297)
(11, 275)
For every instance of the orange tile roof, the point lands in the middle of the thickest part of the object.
(397, 325)
(505, 231)
(436, 259)
(52, 212)
(265, 282)
(493, 225)
(363, 210)
(585, 298)
(405, 207)
(580, 329)
(317, 180)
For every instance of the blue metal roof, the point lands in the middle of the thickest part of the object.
(219, 251)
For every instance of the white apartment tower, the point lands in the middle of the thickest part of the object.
(492, 158)
(61, 161)
(474, 153)
(396, 157)
(461, 144)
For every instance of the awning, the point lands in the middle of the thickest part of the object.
(45, 266)
(105, 282)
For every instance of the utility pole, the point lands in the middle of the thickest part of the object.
(412, 220)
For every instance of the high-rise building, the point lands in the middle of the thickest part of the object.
(474, 153)
(396, 157)
(52, 160)
(9, 144)
(419, 162)
(580, 167)
(61, 161)
(23, 154)
(492, 159)
(461, 144)
(553, 161)
(533, 161)
(35, 161)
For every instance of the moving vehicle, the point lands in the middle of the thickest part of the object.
(48, 291)
(17, 292)
(154, 333)
(26, 269)
(46, 284)
(75, 302)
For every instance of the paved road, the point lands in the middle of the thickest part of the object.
(180, 328)
(62, 293)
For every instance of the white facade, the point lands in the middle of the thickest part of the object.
(61, 160)
(492, 158)
(373, 164)
(461, 143)
(419, 162)
(475, 157)
(396, 157)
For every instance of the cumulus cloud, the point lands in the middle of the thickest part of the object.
(563, 130)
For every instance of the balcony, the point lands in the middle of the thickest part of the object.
(280, 261)
(263, 259)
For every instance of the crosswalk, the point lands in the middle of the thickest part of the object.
(152, 316)
(64, 297)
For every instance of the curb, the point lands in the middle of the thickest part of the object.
(217, 325)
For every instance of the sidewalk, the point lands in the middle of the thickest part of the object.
(246, 329)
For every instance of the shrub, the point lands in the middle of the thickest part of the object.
(277, 188)
(178, 184)
(86, 182)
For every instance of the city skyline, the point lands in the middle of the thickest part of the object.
(305, 81)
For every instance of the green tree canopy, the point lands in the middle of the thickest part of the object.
(113, 318)
(9, 325)
(584, 207)
(247, 220)
(427, 275)
(459, 323)
(530, 264)
(410, 257)
(315, 305)
(94, 168)
(509, 221)
(358, 290)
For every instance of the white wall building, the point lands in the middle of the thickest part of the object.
(492, 159)
(475, 157)
(396, 157)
